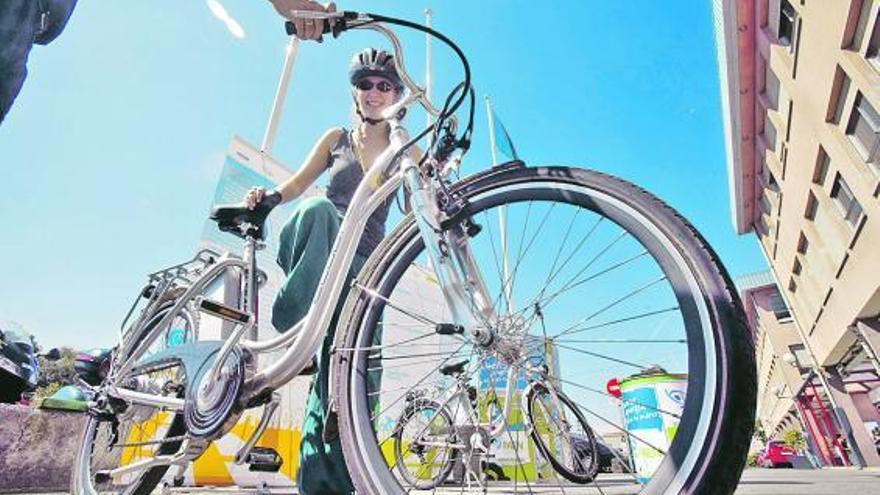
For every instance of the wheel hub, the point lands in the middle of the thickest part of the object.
(508, 342)
(212, 404)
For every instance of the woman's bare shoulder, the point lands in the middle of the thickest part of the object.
(331, 136)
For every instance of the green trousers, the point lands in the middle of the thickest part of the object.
(305, 245)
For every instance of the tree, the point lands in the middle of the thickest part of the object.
(794, 438)
(759, 432)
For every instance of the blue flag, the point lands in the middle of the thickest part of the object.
(503, 143)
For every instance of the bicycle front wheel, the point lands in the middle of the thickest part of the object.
(561, 434)
(592, 278)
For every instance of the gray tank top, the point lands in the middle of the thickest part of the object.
(345, 175)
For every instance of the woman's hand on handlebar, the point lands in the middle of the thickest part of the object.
(306, 29)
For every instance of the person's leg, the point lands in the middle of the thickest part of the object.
(322, 467)
(17, 23)
(304, 247)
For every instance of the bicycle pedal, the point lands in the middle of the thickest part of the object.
(264, 459)
(223, 311)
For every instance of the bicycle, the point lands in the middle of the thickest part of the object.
(169, 403)
(556, 426)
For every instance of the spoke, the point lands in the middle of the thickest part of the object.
(575, 330)
(555, 272)
(619, 399)
(522, 252)
(375, 294)
(625, 341)
(421, 380)
(498, 268)
(419, 363)
(614, 303)
(617, 427)
(413, 356)
(610, 269)
(553, 470)
(603, 356)
(509, 279)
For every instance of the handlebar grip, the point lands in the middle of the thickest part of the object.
(340, 24)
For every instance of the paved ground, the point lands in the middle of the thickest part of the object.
(754, 482)
(809, 482)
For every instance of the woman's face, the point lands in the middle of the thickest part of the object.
(374, 94)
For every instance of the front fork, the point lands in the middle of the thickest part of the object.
(449, 253)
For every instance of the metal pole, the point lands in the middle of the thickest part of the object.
(502, 214)
(280, 95)
(428, 60)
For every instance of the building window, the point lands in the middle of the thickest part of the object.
(821, 170)
(839, 91)
(846, 202)
(787, 16)
(803, 244)
(769, 133)
(792, 285)
(864, 129)
(778, 307)
(771, 88)
(796, 268)
(812, 206)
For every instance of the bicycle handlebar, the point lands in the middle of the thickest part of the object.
(338, 25)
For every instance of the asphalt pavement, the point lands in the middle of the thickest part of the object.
(754, 482)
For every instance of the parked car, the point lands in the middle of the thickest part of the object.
(611, 460)
(775, 454)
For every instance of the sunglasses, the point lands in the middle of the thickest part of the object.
(366, 85)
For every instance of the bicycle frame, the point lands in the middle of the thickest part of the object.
(461, 284)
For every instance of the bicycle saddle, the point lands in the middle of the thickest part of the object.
(453, 369)
(242, 222)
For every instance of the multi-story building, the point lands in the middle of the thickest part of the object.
(801, 101)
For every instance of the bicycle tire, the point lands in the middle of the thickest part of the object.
(708, 452)
(411, 411)
(97, 430)
(587, 472)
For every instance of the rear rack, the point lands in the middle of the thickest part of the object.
(173, 279)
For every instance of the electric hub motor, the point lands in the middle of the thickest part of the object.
(212, 406)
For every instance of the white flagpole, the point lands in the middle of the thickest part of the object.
(502, 215)
(280, 95)
(428, 81)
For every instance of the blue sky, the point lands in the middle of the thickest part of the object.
(111, 153)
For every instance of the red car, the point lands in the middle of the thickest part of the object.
(775, 454)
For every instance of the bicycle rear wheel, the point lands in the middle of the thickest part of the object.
(592, 276)
(134, 433)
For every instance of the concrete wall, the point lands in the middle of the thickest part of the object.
(37, 448)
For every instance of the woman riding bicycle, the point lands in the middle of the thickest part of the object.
(307, 239)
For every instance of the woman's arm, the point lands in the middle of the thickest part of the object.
(312, 168)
